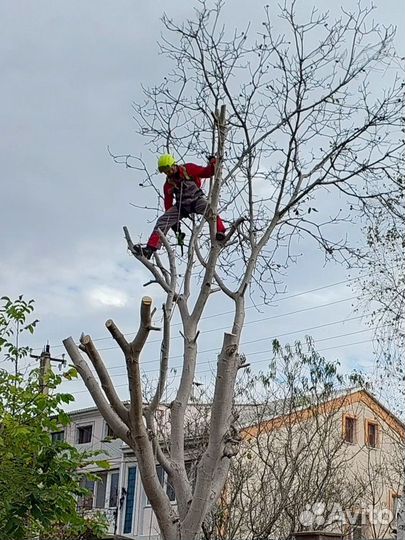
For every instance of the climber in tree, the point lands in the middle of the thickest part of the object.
(183, 184)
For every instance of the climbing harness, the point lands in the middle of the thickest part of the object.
(186, 189)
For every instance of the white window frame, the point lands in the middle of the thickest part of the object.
(108, 474)
(83, 425)
(105, 431)
(164, 486)
(106, 500)
(63, 439)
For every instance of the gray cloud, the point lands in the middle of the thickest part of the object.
(69, 74)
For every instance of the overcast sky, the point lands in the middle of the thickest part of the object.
(69, 72)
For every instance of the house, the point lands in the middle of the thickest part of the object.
(335, 464)
(118, 493)
(370, 438)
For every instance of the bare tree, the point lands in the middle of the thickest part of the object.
(382, 285)
(382, 295)
(293, 455)
(381, 472)
(292, 118)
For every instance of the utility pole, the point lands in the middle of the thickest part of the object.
(194, 387)
(45, 360)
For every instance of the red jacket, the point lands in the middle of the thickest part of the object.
(188, 171)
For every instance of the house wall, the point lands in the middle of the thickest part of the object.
(378, 469)
(365, 477)
(133, 516)
(111, 450)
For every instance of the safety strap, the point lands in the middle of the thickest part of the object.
(180, 236)
(185, 173)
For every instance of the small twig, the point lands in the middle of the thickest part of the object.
(151, 282)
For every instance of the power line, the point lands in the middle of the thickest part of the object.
(278, 316)
(269, 318)
(295, 295)
(254, 353)
(302, 293)
(260, 339)
(319, 350)
(249, 354)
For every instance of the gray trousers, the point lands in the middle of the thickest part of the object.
(173, 216)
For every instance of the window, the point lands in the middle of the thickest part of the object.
(357, 528)
(349, 429)
(371, 437)
(394, 504)
(84, 434)
(113, 498)
(164, 481)
(107, 483)
(170, 490)
(58, 436)
(130, 500)
(109, 432)
(101, 486)
(191, 470)
(85, 502)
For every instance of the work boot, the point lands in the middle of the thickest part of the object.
(143, 251)
(220, 236)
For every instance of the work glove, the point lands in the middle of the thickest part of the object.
(180, 238)
(180, 235)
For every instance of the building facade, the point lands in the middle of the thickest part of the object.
(371, 439)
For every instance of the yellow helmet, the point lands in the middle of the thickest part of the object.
(166, 160)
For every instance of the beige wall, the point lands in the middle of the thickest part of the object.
(359, 473)
(377, 469)
(361, 478)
